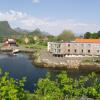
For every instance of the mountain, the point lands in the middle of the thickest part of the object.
(5, 28)
(20, 30)
(46, 33)
(38, 32)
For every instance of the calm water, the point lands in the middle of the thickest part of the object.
(20, 66)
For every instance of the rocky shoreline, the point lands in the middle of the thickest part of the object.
(21, 49)
(45, 59)
(81, 67)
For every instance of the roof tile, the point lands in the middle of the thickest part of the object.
(88, 40)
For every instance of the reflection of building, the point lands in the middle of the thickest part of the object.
(9, 43)
(77, 47)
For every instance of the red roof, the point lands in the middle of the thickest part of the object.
(88, 40)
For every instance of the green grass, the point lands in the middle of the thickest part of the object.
(35, 46)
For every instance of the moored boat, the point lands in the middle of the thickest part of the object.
(15, 51)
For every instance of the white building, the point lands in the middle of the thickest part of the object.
(77, 47)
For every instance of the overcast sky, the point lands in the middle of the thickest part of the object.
(52, 16)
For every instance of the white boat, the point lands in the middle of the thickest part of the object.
(15, 51)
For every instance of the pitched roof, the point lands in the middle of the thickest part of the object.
(88, 40)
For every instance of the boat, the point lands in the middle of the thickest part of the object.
(15, 51)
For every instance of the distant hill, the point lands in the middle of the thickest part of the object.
(5, 28)
(20, 30)
(38, 32)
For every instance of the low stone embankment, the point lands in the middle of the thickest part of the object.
(89, 67)
(45, 59)
(21, 49)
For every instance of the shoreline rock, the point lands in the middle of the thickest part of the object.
(82, 67)
(74, 64)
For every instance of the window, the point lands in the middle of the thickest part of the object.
(68, 50)
(58, 50)
(68, 45)
(89, 45)
(82, 45)
(97, 51)
(75, 50)
(75, 44)
(88, 51)
(58, 45)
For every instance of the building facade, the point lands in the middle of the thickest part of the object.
(10, 43)
(77, 47)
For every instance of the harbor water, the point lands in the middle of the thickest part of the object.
(21, 66)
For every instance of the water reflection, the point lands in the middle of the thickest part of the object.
(20, 66)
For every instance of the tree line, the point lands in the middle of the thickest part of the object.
(95, 35)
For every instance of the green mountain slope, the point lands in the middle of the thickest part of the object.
(5, 28)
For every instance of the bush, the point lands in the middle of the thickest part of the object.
(62, 87)
(11, 89)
